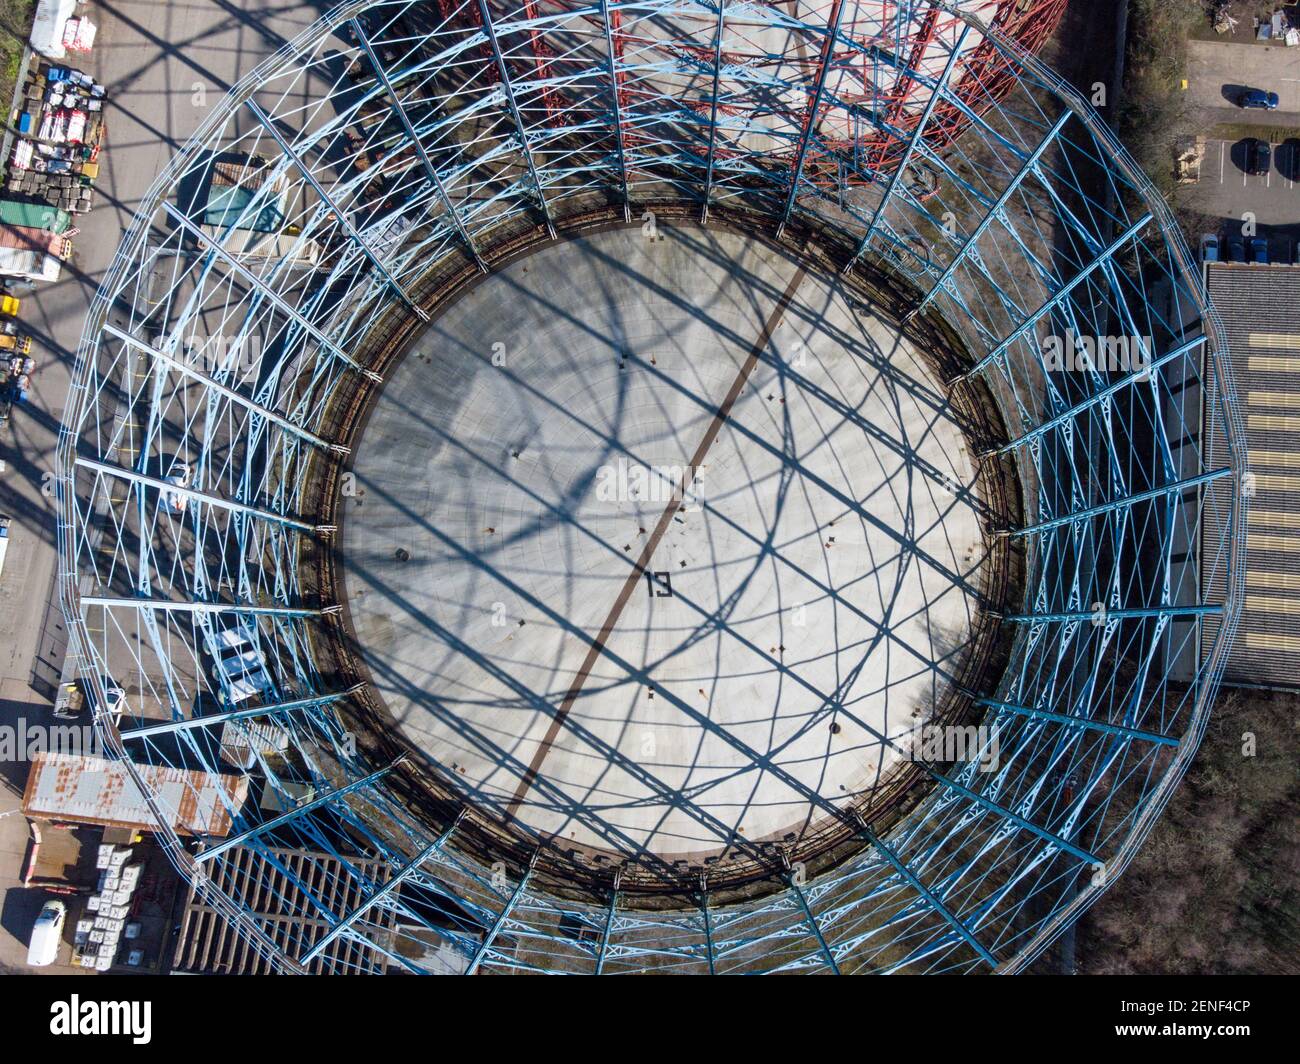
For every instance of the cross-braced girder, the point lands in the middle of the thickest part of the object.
(403, 142)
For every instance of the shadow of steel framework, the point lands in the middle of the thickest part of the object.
(393, 141)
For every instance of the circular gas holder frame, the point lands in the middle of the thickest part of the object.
(629, 339)
(871, 258)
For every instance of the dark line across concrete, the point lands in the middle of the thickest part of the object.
(665, 521)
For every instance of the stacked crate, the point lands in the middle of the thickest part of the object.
(101, 932)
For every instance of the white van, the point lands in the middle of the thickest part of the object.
(226, 641)
(4, 541)
(47, 934)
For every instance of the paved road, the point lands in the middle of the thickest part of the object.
(165, 65)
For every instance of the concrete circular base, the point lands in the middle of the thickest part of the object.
(661, 548)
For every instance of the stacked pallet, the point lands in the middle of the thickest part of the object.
(60, 127)
(100, 934)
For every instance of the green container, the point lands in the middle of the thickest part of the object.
(34, 216)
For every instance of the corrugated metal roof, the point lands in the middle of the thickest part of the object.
(1260, 307)
(97, 791)
(34, 216)
(249, 171)
(240, 738)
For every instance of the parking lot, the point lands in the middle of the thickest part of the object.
(1226, 192)
(1218, 72)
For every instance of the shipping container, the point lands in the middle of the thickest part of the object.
(278, 247)
(32, 238)
(229, 206)
(34, 216)
(30, 265)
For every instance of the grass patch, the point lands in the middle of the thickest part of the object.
(15, 27)
(1239, 130)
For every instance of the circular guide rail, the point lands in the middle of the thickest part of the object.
(355, 184)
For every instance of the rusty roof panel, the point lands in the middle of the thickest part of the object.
(93, 790)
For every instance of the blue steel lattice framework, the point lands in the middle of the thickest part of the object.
(392, 141)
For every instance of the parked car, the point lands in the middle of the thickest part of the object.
(1209, 248)
(1236, 250)
(180, 475)
(47, 933)
(238, 667)
(228, 642)
(1258, 99)
(1259, 156)
(1259, 250)
(116, 701)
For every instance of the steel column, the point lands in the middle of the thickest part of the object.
(1129, 234)
(1105, 614)
(266, 290)
(235, 397)
(275, 709)
(708, 930)
(713, 111)
(814, 107)
(1137, 376)
(1087, 723)
(1123, 502)
(516, 114)
(992, 215)
(906, 160)
(1013, 818)
(108, 602)
(162, 485)
(374, 899)
(932, 900)
(813, 925)
(340, 212)
(429, 172)
(490, 935)
(614, 54)
(609, 928)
